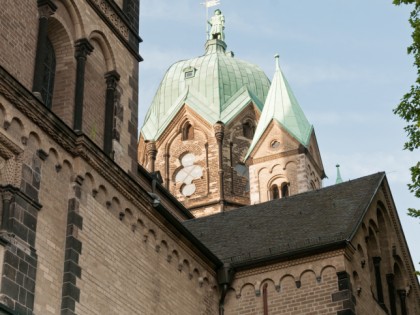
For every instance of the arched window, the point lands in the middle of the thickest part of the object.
(284, 190)
(49, 74)
(187, 132)
(248, 129)
(274, 192)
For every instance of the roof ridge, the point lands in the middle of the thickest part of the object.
(300, 195)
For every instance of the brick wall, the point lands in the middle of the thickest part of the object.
(294, 287)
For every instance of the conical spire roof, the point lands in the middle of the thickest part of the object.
(281, 105)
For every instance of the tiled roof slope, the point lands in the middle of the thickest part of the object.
(301, 222)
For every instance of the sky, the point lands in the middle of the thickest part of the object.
(346, 62)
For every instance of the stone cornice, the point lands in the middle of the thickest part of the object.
(116, 20)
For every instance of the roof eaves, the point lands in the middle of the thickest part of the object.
(288, 255)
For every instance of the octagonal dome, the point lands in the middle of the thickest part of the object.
(216, 85)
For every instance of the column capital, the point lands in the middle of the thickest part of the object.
(219, 131)
(7, 196)
(82, 48)
(46, 8)
(112, 77)
(151, 150)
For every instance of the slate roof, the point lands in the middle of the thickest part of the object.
(299, 223)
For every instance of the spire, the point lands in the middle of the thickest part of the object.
(282, 106)
(339, 180)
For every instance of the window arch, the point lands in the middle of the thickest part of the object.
(285, 190)
(274, 192)
(49, 74)
(248, 129)
(187, 132)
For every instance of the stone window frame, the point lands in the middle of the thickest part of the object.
(187, 131)
(281, 182)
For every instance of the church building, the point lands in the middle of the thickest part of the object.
(215, 208)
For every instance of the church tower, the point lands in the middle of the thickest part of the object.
(284, 157)
(204, 131)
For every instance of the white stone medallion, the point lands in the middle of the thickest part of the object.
(188, 173)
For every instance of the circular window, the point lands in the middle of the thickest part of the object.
(275, 144)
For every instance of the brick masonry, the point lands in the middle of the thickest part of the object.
(80, 234)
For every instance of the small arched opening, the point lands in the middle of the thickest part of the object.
(248, 129)
(187, 132)
(274, 192)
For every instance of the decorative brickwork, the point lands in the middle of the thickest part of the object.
(73, 249)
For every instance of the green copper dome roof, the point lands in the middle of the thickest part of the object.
(282, 106)
(215, 85)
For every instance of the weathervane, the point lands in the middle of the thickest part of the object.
(216, 22)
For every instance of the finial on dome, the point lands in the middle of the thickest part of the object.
(277, 57)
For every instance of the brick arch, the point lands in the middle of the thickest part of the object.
(64, 79)
(373, 245)
(101, 194)
(306, 274)
(373, 225)
(263, 282)
(88, 183)
(164, 248)
(401, 277)
(247, 286)
(16, 129)
(384, 239)
(34, 140)
(74, 15)
(106, 48)
(328, 269)
(54, 154)
(287, 281)
(128, 216)
(280, 180)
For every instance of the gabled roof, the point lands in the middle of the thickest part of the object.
(281, 106)
(314, 219)
(217, 87)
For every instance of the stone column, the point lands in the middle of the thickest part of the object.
(151, 152)
(83, 49)
(378, 279)
(167, 156)
(112, 79)
(6, 199)
(46, 8)
(391, 293)
(219, 133)
(403, 295)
